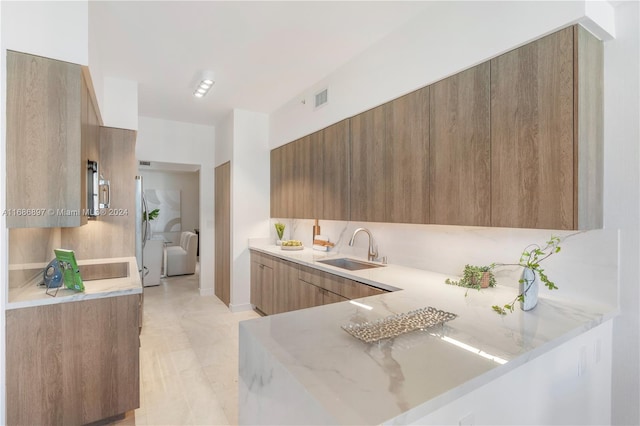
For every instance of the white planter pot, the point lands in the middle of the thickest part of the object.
(529, 286)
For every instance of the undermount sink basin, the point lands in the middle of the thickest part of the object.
(350, 264)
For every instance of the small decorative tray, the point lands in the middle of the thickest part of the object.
(291, 247)
(395, 325)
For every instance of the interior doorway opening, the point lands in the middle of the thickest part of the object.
(172, 195)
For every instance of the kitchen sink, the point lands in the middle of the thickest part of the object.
(350, 264)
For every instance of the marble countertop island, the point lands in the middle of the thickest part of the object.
(30, 293)
(305, 359)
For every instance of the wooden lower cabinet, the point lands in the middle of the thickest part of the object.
(73, 363)
(285, 286)
(262, 283)
(311, 295)
(279, 285)
(341, 286)
(329, 297)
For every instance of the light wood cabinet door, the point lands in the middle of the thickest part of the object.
(406, 161)
(73, 363)
(255, 295)
(285, 286)
(390, 161)
(532, 125)
(363, 290)
(460, 149)
(336, 284)
(335, 177)
(276, 184)
(367, 192)
(222, 260)
(262, 295)
(303, 184)
(43, 143)
(329, 297)
(309, 296)
(307, 184)
(283, 181)
(267, 289)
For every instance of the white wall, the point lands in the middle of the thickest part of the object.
(53, 29)
(250, 196)
(447, 38)
(188, 183)
(224, 139)
(119, 106)
(453, 36)
(185, 143)
(621, 201)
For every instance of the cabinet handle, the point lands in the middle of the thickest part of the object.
(261, 266)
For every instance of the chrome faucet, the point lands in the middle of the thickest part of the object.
(373, 250)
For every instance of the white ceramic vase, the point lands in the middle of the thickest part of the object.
(529, 286)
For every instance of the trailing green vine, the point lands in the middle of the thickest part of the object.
(531, 258)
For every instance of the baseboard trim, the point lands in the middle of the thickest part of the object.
(241, 308)
(207, 292)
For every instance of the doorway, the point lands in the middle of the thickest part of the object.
(172, 192)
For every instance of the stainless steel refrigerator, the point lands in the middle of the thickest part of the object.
(142, 228)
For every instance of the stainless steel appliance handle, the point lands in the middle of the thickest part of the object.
(145, 216)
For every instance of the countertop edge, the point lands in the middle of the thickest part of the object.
(124, 286)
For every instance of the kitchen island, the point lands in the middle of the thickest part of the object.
(300, 367)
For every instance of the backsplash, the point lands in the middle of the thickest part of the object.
(585, 269)
(28, 246)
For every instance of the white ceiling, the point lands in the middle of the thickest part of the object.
(262, 53)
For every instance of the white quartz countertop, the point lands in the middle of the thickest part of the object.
(416, 373)
(33, 294)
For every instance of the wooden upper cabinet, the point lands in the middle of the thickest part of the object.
(335, 172)
(367, 166)
(44, 168)
(390, 160)
(460, 149)
(513, 142)
(532, 139)
(283, 176)
(307, 182)
(277, 185)
(310, 176)
(406, 160)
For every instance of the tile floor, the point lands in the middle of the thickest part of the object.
(188, 356)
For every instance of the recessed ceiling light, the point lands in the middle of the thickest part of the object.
(206, 81)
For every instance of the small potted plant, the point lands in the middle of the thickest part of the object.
(280, 231)
(151, 215)
(475, 277)
(530, 260)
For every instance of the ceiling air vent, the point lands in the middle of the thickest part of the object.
(145, 163)
(321, 98)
